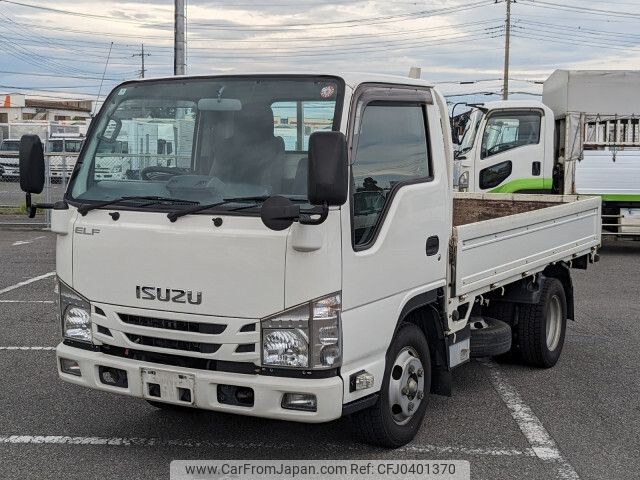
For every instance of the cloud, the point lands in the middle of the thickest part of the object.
(462, 43)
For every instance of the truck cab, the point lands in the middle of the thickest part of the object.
(62, 153)
(9, 158)
(583, 138)
(507, 147)
(298, 253)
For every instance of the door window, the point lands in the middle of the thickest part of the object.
(391, 151)
(494, 175)
(508, 130)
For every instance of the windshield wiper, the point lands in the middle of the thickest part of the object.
(87, 207)
(173, 216)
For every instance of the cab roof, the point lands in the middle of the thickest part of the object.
(352, 79)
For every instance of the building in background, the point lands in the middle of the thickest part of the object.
(20, 108)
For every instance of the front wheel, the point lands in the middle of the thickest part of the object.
(397, 415)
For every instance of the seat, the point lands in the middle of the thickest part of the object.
(300, 180)
(253, 155)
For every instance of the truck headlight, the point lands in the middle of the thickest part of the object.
(306, 336)
(75, 312)
(463, 182)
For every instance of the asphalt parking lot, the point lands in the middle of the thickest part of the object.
(579, 420)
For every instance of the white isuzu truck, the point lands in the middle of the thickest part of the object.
(583, 138)
(302, 283)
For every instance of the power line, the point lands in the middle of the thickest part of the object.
(349, 23)
(53, 75)
(579, 29)
(581, 9)
(611, 42)
(533, 36)
(458, 40)
(262, 41)
(111, 18)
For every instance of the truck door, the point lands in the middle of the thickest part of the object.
(396, 239)
(512, 153)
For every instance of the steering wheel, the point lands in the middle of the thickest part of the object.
(157, 172)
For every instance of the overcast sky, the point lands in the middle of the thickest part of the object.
(63, 46)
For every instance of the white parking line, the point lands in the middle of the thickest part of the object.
(25, 242)
(26, 301)
(158, 442)
(27, 282)
(542, 444)
(27, 348)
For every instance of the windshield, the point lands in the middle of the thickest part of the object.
(72, 146)
(206, 139)
(55, 146)
(10, 146)
(470, 129)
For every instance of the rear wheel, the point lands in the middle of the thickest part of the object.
(396, 417)
(542, 326)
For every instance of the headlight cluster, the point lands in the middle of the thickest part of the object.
(74, 312)
(306, 336)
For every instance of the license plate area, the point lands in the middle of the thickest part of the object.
(168, 386)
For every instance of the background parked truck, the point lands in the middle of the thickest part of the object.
(584, 138)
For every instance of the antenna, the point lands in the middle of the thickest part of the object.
(102, 80)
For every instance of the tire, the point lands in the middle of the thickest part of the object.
(506, 312)
(489, 337)
(387, 425)
(537, 347)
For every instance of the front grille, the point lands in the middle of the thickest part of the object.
(174, 344)
(245, 348)
(194, 327)
(246, 368)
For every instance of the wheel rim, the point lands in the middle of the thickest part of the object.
(554, 323)
(406, 386)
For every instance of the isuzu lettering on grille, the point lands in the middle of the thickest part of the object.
(168, 295)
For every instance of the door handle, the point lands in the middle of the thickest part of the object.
(433, 246)
(535, 169)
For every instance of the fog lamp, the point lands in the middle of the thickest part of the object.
(306, 402)
(70, 366)
(116, 377)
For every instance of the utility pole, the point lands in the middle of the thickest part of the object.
(142, 55)
(505, 84)
(179, 39)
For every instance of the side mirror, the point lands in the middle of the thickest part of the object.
(32, 171)
(278, 213)
(328, 178)
(31, 164)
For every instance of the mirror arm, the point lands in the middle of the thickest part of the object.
(322, 210)
(32, 208)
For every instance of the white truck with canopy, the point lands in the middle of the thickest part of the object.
(330, 273)
(583, 138)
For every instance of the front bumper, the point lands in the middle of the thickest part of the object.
(268, 390)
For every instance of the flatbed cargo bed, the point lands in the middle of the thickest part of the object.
(501, 238)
